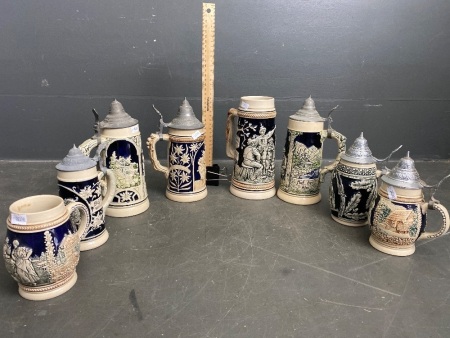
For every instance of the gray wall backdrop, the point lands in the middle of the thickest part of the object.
(386, 63)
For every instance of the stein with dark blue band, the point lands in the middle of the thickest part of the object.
(186, 170)
(119, 137)
(42, 245)
(79, 181)
(354, 184)
(301, 172)
(253, 147)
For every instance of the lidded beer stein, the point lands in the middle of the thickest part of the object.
(186, 171)
(118, 134)
(253, 150)
(398, 216)
(79, 181)
(353, 186)
(42, 245)
(301, 171)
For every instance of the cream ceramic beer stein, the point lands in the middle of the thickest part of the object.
(353, 186)
(42, 245)
(253, 149)
(301, 171)
(186, 170)
(398, 216)
(119, 134)
(79, 181)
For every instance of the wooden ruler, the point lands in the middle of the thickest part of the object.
(208, 41)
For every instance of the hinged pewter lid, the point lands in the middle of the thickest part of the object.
(404, 175)
(117, 118)
(359, 152)
(308, 112)
(75, 160)
(185, 118)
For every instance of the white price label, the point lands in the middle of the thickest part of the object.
(19, 219)
(196, 135)
(391, 193)
(244, 105)
(135, 129)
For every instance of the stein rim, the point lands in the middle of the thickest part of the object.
(37, 209)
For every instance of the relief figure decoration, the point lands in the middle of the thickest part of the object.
(301, 163)
(255, 152)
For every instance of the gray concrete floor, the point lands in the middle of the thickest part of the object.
(227, 267)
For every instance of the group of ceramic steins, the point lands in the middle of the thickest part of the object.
(46, 233)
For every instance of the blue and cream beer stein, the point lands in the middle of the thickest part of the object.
(398, 217)
(354, 184)
(186, 170)
(79, 181)
(301, 172)
(42, 245)
(120, 139)
(253, 148)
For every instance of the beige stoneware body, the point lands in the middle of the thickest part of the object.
(54, 271)
(398, 218)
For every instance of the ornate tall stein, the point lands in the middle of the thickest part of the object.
(119, 135)
(301, 171)
(42, 245)
(79, 181)
(186, 172)
(398, 216)
(253, 150)
(353, 186)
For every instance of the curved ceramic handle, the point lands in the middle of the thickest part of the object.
(231, 152)
(84, 222)
(151, 142)
(444, 213)
(87, 146)
(340, 139)
(110, 188)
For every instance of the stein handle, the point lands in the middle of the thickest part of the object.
(110, 188)
(82, 228)
(340, 139)
(87, 146)
(151, 142)
(231, 152)
(435, 205)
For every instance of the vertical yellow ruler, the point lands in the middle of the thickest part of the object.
(208, 42)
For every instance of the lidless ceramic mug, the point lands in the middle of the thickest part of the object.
(253, 148)
(42, 245)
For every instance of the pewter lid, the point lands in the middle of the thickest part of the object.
(117, 118)
(308, 112)
(359, 152)
(185, 118)
(404, 175)
(75, 160)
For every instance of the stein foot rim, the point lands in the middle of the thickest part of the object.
(394, 251)
(253, 195)
(92, 243)
(299, 200)
(186, 198)
(128, 211)
(44, 295)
